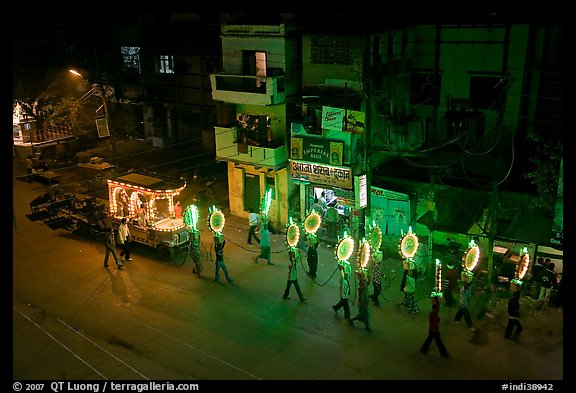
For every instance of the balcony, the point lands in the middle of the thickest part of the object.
(228, 149)
(242, 89)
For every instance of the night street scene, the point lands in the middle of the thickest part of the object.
(307, 200)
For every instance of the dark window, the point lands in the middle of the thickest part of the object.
(487, 92)
(331, 50)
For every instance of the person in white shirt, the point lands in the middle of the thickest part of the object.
(253, 220)
(124, 239)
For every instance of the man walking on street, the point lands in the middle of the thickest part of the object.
(264, 244)
(434, 330)
(465, 295)
(253, 219)
(124, 239)
(513, 316)
(219, 243)
(345, 273)
(294, 255)
(110, 243)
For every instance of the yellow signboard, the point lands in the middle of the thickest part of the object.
(336, 176)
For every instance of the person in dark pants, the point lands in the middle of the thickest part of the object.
(513, 316)
(312, 256)
(345, 273)
(219, 243)
(294, 255)
(377, 277)
(110, 243)
(465, 295)
(363, 302)
(448, 285)
(124, 239)
(265, 244)
(253, 219)
(434, 330)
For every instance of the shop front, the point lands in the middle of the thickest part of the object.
(328, 188)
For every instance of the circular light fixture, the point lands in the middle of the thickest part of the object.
(364, 254)
(292, 235)
(345, 248)
(471, 256)
(216, 220)
(409, 244)
(375, 237)
(312, 222)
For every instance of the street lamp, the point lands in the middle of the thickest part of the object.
(100, 125)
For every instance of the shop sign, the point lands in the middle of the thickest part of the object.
(361, 191)
(338, 119)
(397, 196)
(336, 176)
(332, 118)
(318, 150)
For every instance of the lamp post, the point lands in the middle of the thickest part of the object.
(104, 105)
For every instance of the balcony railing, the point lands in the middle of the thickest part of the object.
(228, 148)
(257, 90)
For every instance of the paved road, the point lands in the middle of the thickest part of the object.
(155, 320)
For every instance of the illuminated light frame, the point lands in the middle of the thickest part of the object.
(312, 222)
(153, 195)
(471, 256)
(191, 216)
(292, 233)
(266, 203)
(522, 266)
(409, 240)
(438, 280)
(214, 215)
(375, 231)
(345, 248)
(363, 256)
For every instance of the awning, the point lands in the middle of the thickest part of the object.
(457, 210)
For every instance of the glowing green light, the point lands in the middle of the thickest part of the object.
(266, 202)
(375, 236)
(191, 216)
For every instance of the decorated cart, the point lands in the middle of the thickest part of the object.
(147, 201)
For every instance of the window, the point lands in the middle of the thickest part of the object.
(254, 130)
(166, 64)
(487, 92)
(331, 50)
(131, 57)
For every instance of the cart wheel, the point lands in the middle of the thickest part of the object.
(165, 252)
